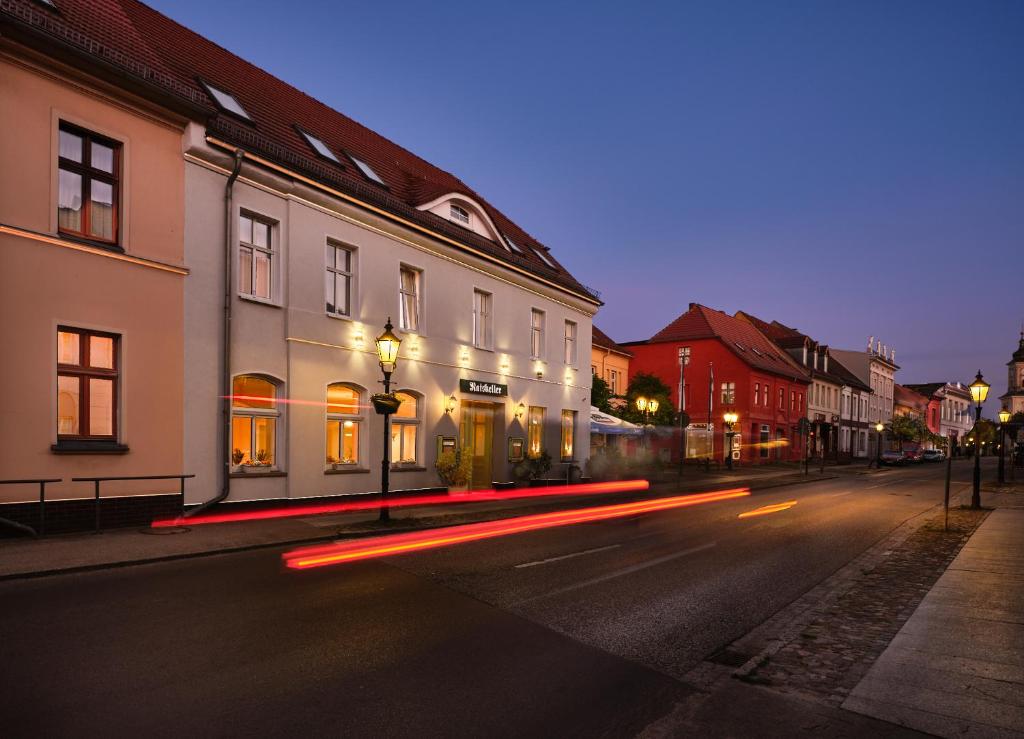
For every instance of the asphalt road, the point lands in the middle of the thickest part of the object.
(575, 631)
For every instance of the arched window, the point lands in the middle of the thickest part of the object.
(405, 426)
(344, 422)
(254, 417)
(460, 214)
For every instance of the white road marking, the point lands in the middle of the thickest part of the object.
(567, 556)
(620, 573)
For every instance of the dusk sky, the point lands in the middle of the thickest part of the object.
(849, 169)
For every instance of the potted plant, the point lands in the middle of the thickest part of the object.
(454, 469)
(237, 455)
(339, 464)
(261, 462)
(533, 467)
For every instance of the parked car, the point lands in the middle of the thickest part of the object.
(933, 455)
(912, 455)
(893, 457)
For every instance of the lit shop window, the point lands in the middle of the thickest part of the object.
(87, 384)
(344, 421)
(568, 432)
(405, 425)
(87, 186)
(535, 431)
(255, 257)
(254, 417)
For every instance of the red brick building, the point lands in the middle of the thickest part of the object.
(742, 371)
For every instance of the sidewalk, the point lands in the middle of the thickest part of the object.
(956, 668)
(121, 547)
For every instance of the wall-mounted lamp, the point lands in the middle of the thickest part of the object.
(450, 403)
(504, 365)
(520, 410)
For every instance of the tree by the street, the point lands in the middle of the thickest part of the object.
(648, 386)
(600, 394)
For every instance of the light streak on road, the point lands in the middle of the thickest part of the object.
(416, 541)
(765, 510)
(476, 496)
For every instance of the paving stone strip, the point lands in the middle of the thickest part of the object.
(846, 634)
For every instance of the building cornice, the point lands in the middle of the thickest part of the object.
(94, 250)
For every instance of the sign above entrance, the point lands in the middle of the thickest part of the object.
(483, 388)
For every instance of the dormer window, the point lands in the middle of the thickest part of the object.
(544, 258)
(512, 246)
(226, 102)
(458, 213)
(319, 146)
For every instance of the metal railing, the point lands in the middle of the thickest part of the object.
(97, 480)
(42, 483)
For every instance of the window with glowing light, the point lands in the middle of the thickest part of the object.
(568, 434)
(88, 175)
(87, 385)
(535, 431)
(255, 257)
(344, 422)
(254, 417)
(405, 425)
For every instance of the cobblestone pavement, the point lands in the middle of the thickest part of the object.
(830, 655)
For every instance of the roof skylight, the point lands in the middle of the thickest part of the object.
(367, 170)
(226, 101)
(740, 346)
(512, 246)
(544, 258)
(319, 146)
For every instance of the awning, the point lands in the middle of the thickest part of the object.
(602, 423)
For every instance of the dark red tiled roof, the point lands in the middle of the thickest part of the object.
(601, 340)
(741, 337)
(151, 46)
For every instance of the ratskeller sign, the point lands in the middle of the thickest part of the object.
(483, 388)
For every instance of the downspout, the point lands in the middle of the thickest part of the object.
(226, 345)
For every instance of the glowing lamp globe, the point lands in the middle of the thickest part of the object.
(652, 405)
(979, 389)
(641, 403)
(1004, 416)
(387, 348)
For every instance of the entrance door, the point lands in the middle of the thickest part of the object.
(478, 435)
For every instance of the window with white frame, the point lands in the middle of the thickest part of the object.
(458, 213)
(405, 424)
(536, 334)
(255, 256)
(254, 419)
(570, 343)
(483, 320)
(344, 423)
(409, 299)
(339, 287)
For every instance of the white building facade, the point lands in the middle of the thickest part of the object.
(876, 367)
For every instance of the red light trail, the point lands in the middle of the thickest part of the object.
(765, 510)
(477, 496)
(417, 541)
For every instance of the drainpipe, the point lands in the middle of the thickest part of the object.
(226, 345)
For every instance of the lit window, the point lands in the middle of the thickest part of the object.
(226, 102)
(88, 184)
(568, 433)
(536, 334)
(535, 431)
(87, 385)
(483, 327)
(570, 343)
(544, 258)
(255, 256)
(254, 417)
(319, 146)
(460, 214)
(409, 299)
(344, 420)
(338, 288)
(728, 393)
(405, 429)
(512, 246)
(367, 170)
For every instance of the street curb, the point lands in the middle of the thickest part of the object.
(339, 534)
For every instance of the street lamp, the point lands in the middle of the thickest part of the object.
(385, 404)
(979, 391)
(879, 428)
(1004, 416)
(730, 419)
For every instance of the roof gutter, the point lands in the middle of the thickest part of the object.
(220, 143)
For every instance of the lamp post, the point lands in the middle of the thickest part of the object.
(1004, 416)
(385, 404)
(647, 406)
(730, 419)
(879, 428)
(979, 391)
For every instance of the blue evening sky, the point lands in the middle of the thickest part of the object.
(847, 168)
